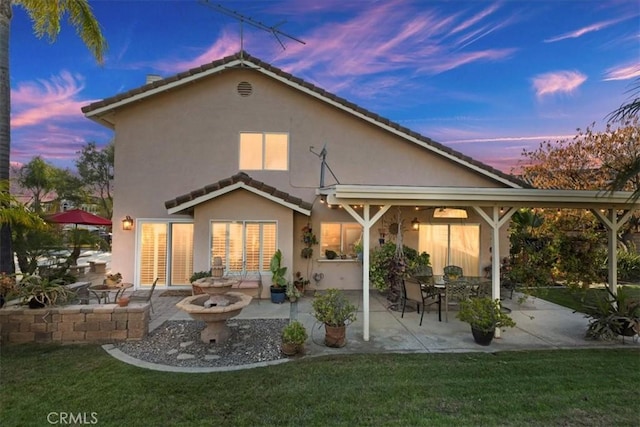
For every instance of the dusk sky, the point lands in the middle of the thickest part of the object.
(485, 78)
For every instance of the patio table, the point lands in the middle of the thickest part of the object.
(103, 292)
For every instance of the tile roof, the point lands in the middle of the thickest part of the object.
(259, 186)
(241, 58)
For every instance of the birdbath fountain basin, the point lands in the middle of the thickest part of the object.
(228, 305)
(215, 285)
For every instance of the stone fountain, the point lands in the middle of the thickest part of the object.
(214, 307)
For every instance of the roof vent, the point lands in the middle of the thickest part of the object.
(153, 78)
(245, 89)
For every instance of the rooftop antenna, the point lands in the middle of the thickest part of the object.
(242, 19)
(323, 156)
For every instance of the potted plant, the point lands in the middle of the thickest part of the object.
(278, 279)
(294, 336)
(38, 291)
(300, 282)
(308, 239)
(123, 300)
(195, 290)
(334, 310)
(613, 315)
(358, 249)
(484, 315)
(293, 293)
(113, 279)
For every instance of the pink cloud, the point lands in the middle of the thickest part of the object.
(387, 37)
(378, 39)
(558, 81)
(34, 103)
(227, 44)
(475, 19)
(510, 138)
(623, 72)
(585, 30)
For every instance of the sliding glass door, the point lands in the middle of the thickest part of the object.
(451, 244)
(166, 253)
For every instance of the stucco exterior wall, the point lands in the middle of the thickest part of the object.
(188, 137)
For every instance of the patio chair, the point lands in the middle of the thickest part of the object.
(454, 292)
(144, 295)
(483, 290)
(412, 291)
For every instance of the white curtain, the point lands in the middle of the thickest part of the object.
(451, 244)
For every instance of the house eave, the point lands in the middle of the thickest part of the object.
(186, 206)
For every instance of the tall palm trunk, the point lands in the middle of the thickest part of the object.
(6, 254)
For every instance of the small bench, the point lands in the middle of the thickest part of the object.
(97, 266)
(250, 285)
(78, 270)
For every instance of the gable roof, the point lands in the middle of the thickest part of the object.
(100, 111)
(240, 180)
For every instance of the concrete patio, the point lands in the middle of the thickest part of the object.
(539, 325)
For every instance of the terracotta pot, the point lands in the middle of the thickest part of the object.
(123, 301)
(482, 337)
(289, 349)
(335, 336)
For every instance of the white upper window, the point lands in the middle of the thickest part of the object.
(264, 151)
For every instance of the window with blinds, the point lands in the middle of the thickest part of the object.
(153, 253)
(181, 253)
(166, 253)
(243, 246)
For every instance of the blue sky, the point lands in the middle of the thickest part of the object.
(486, 78)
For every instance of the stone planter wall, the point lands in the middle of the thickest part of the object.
(100, 323)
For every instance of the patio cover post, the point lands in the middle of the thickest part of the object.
(613, 224)
(366, 222)
(495, 222)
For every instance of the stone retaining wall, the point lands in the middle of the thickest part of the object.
(98, 323)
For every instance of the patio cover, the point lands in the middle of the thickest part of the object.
(494, 205)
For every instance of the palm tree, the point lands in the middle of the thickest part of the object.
(46, 16)
(631, 108)
(631, 172)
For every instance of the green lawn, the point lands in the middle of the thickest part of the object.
(574, 298)
(533, 388)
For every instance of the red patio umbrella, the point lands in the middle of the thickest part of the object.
(78, 216)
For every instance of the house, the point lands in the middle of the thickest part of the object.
(227, 160)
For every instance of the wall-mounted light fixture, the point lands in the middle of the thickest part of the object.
(415, 224)
(127, 223)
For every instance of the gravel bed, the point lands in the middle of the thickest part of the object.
(177, 343)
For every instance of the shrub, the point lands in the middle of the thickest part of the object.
(382, 269)
(333, 308)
